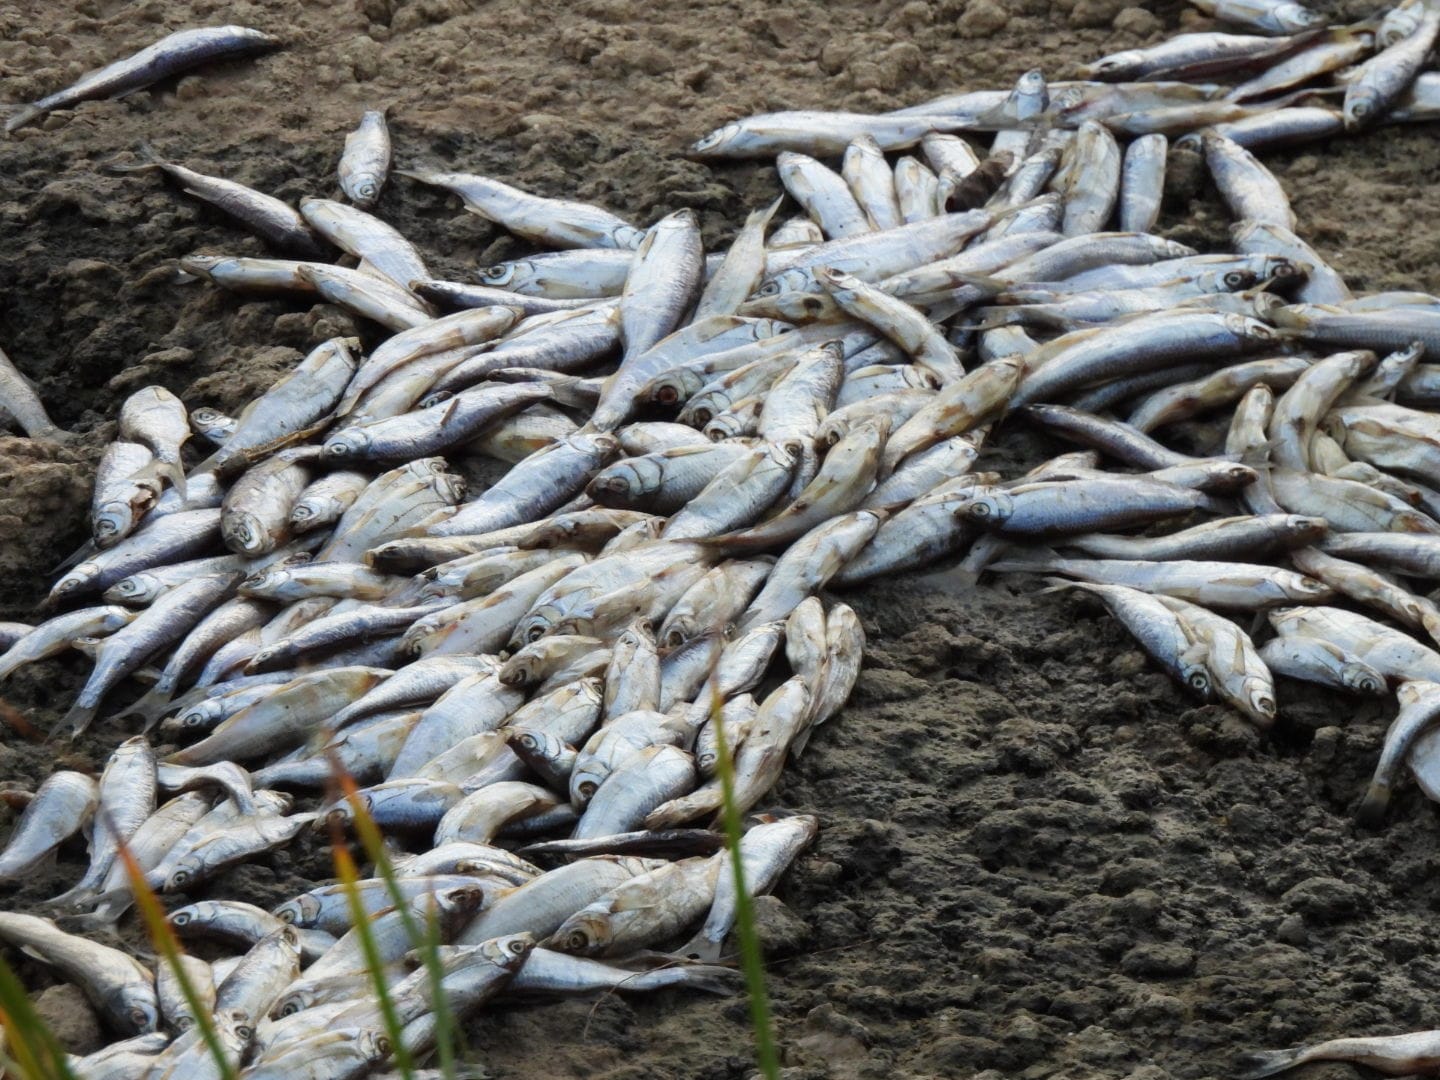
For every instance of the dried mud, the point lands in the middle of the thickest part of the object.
(1038, 857)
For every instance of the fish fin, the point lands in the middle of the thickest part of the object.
(79, 718)
(18, 117)
(162, 472)
(83, 552)
(1260, 1063)
(151, 708)
(1054, 584)
(798, 744)
(1371, 811)
(701, 948)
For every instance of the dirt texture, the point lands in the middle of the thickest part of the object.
(1038, 857)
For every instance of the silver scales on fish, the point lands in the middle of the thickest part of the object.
(532, 681)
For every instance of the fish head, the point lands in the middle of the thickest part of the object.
(1295, 18)
(75, 581)
(1261, 696)
(718, 141)
(1115, 66)
(264, 581)
(625, 482)
(201, 265)
(243, 533)
(986, 507)
(135, 1001)
(374, 1045)
(307, 511)
(1362, 105)
(350, 443)
(450, 487)
(1222, 281)
(297, 1000)
(584, 933)
(366, 187)
(508, 952)
(584, 782)
(1314, 591)
(139, 588)
(1249, 329)
(1192, 668)
(186, 871)
(302, 911)
(500, 274)
(1362, 678)
(536, 625)
(115, 519)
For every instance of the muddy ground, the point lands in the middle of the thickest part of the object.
(1038, 857)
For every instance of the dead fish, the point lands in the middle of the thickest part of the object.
(22, 405)
(170, 55)
(365, 162)
(1394, 1055)
(273, 220)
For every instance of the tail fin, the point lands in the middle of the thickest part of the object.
(151, 708)
(83, 552)
(22, 116)
(79, 718)
(149, 159)
(1260, 1063)
(1372, 808)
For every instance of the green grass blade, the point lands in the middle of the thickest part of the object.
(427, 941)
(346, 872)
(751, 960)
(162, 937)
(37, 1053)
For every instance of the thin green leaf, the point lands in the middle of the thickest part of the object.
(751, 959)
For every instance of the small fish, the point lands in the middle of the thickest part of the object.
(21, 404)
(169, 56)
(273, 220)
(1394, 1055)
(365, 162)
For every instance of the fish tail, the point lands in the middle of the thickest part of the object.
(80, 554)
(700, 948)
(151, 708)
(149, 159)
(1260, 1063)
(78, 718)
(1372, 807)
(22, 116)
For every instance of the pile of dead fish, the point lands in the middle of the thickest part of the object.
(520, 569)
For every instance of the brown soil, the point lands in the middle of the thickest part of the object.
(1038, 857)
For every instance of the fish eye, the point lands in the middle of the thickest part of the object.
(667, 395)
(978, 510)
(290, 1008)
(770, 288)
(576, 940)
(139, 1017)
(498, 275)
(535, 633)
(586, 788)
(1235, 279)
(180, 877)
(286, 913)
(1198, 680)
(245, 1031)
(335, 449)
(192, 719)
(517, 947)
(382, 1045)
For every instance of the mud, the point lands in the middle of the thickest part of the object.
(1038, 858)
